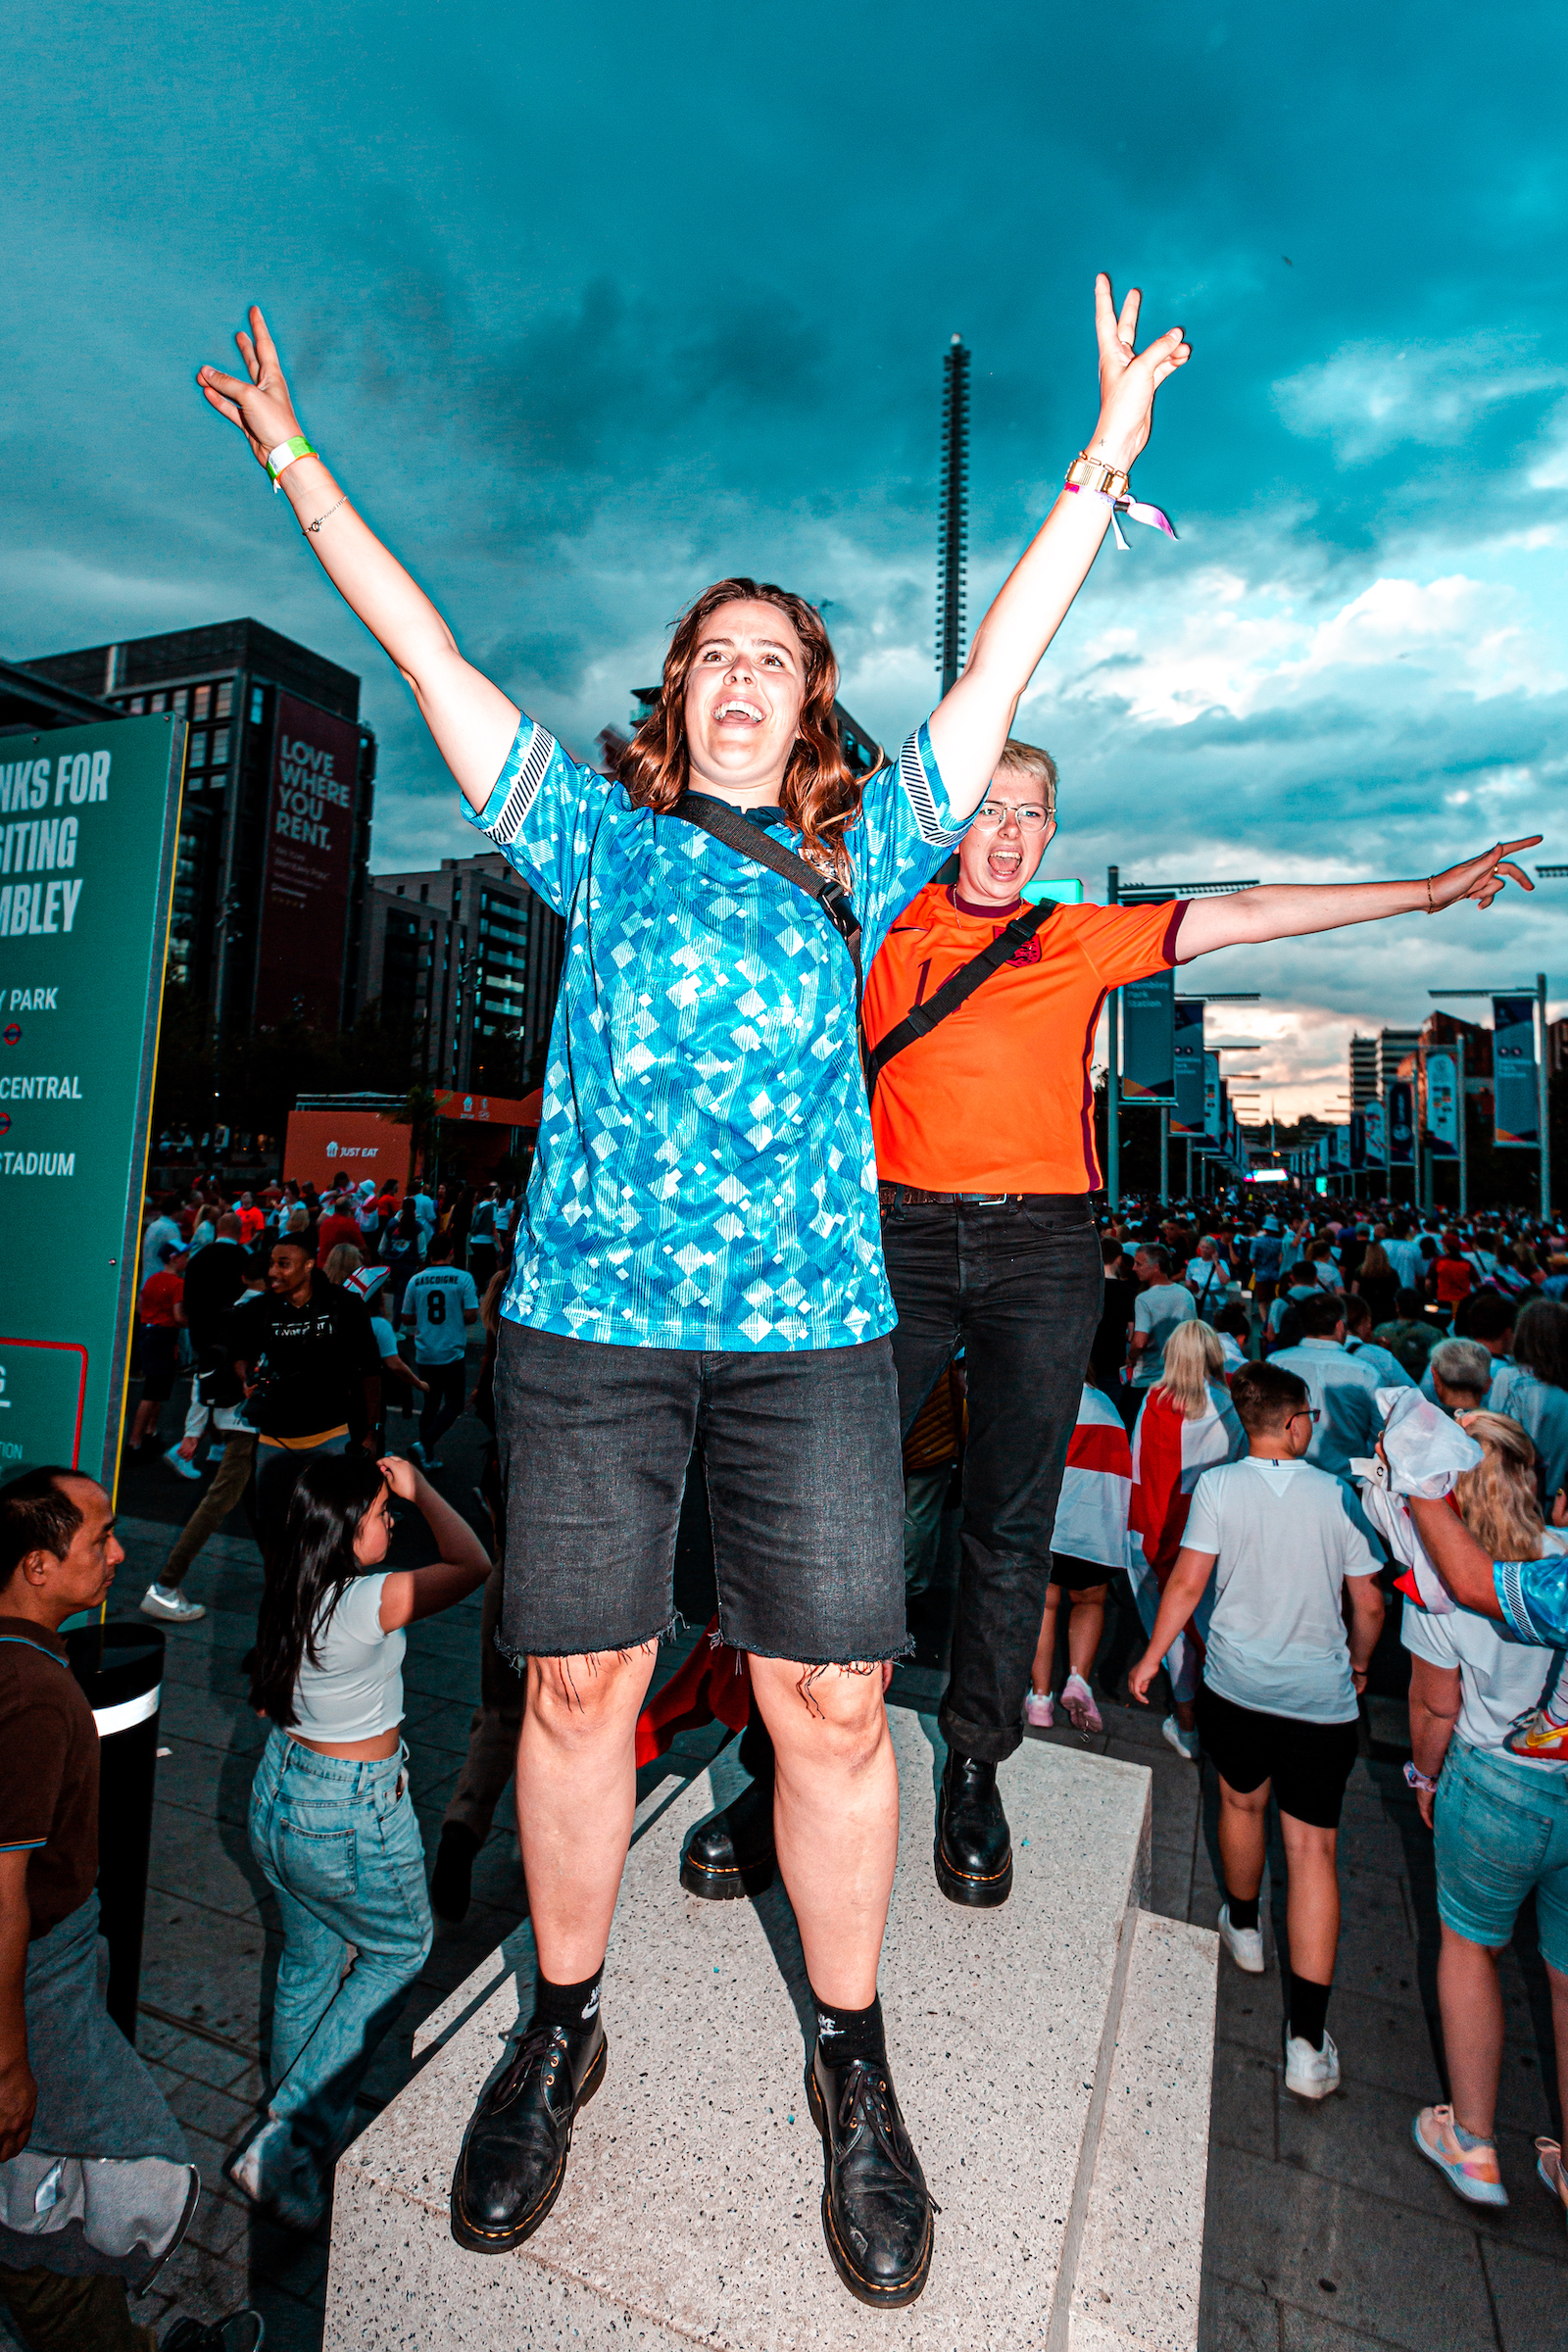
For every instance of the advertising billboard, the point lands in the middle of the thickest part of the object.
(1401, 1101)
(1375, 1128)
(1442, 1103)
(310, 866)
(1146, 1020)
(325, 1146)
(89, 824)
(1515, 1100)
(1188, 1043)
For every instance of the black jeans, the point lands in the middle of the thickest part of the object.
(1017, 1285)
(444, 1402)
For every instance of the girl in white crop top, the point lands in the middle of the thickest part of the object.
(332, 1822)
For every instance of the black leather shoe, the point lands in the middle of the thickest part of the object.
(731, 1853)
(514, 2155)
(877, 2208)
(450, 1881)
(974, 1844)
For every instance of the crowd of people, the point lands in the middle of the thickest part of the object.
(814, 1181)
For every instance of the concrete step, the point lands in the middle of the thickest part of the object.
(691, 2210)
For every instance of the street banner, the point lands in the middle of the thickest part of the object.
(1442, 1103)
(1515, 1100)
(1214, 1122)
(1376, 1127)
(1187, 1055)
(1147, 1070)
(1358, 1139)
(89, 824)
(1401, 1099)
(310, 866)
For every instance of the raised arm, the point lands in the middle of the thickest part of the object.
(975, 720)
(1463, 1564)
(1290, 909)
(473, 721)
(411, 1594)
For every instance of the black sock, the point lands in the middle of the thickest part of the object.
(1310, 2009)
(573, 2005)
(849, 2032)
(1242, 1909)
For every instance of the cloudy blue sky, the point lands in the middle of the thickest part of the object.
(590, 304)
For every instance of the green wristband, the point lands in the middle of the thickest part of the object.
(285, 454)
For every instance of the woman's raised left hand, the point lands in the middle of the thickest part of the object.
(1480, 878)
(1129, 379)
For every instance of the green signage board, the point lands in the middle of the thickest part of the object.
(90, 823)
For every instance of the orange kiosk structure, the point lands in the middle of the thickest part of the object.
(333, 1137)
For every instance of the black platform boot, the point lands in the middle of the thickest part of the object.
(731, 1853)
(973, 1851)
(514, 2155)
(877, 2208)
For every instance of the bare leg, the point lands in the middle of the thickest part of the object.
(145, 1423)
(1242, 1837)
(1042, 1671)
(1559, 2035)
(575, 1795)
(1470, 1999)
(1311, 1899)
(1085, 1627)
(835, 1815)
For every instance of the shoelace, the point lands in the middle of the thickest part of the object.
(535, 2048)
(867, 2098)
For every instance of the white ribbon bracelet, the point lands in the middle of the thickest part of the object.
(1133, 509)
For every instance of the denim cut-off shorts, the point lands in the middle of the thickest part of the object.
(1501, 1830)
(801, 1454)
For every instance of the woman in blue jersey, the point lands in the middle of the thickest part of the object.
(698, 1257)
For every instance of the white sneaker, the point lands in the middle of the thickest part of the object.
(170, 1603)
(177, 1463)
(1183, 1743)
(1312, 2073)
(1039, 1709)
(1243, 1944)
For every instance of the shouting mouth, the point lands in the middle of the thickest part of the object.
(1004, 864)
(736, 712)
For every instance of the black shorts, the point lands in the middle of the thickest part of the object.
(160, 1361)
(1309, 1763)
(800, 1452)
(1078, 1576)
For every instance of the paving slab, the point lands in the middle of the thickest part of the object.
(692, 2205)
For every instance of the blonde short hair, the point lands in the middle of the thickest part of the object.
(1028, 760)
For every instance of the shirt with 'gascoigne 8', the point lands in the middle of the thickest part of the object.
(705, 1176)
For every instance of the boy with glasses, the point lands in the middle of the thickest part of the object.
(1286, 1544)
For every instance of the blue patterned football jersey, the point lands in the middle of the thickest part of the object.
(1533, 1595)
(705, 1175)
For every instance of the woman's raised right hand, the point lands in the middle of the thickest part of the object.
(262, 409)
(400, 1476)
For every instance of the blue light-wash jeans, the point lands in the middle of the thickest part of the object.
(339, 1843)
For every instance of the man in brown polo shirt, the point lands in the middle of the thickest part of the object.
(72, 2091)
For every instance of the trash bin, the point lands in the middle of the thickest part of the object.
(120, 1668)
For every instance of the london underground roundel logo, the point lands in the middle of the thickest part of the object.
(13, 1033)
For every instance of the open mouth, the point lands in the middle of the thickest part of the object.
(736, 712)
(1004, 864)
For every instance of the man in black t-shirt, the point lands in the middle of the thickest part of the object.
(308, 1361)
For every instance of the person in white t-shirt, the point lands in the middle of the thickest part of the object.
(1491, 1776)
(1209, 1277)
(440, 1303)
(1161, 1304)
(1278, 1705)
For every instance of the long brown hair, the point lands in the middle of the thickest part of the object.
(1497, 1498)
(821, 791)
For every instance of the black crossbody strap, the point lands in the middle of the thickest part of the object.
(921, 1019)
(738, 833)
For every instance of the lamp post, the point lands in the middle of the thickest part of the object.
(1542, 1091)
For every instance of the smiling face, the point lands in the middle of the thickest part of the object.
(1003, 846)
(744, 693)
